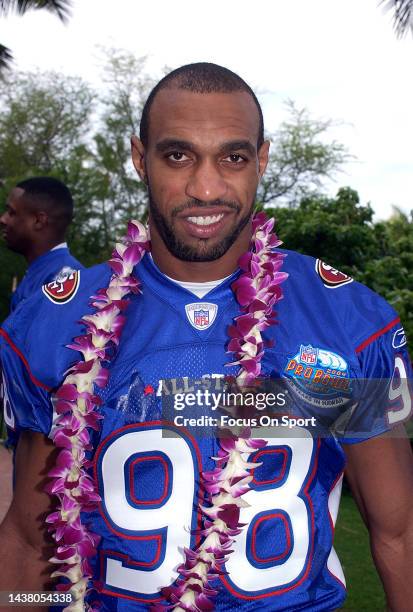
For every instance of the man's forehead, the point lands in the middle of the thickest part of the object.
(179, 113)
(14, 196)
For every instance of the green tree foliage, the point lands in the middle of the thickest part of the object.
(341, 232)
(338, 230)
(301, 158)
(391, 271)
(126, 89)
(42, 122)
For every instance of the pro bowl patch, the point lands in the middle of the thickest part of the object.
(331, 277)
(319, 376)
(201, 315)
(63, 288)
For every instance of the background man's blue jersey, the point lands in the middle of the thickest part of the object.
(42, 270)
(149, 481)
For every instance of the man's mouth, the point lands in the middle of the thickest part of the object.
(207, 220)
(206, 224)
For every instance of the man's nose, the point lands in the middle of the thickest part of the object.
(206, 183)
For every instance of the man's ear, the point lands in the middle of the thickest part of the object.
(263, 153)
(41, 219)
(138, 157)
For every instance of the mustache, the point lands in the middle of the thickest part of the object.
(194, 203)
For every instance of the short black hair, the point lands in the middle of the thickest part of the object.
(50, 194)
(202, 77)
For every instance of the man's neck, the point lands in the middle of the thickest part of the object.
(199, 289)
(40, 249)
(198, 271)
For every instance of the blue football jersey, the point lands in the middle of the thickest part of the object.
(148, 472)
(42, 270)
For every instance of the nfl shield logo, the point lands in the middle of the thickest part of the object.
(308, 354)
(201, 315)
(201, 318)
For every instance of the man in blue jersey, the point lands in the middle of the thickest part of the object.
(37, 214)
(202, 153)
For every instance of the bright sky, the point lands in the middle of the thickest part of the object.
(340, 59)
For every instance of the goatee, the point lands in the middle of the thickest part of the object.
(204, 251)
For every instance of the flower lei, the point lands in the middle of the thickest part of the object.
(257, 290)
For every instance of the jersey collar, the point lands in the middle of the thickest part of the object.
(150, 275)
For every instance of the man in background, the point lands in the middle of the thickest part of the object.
(38, 212)
(34, 224)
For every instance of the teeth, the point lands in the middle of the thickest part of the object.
(206, 220)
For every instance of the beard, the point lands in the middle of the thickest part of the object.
(203, 251)
(14, 244)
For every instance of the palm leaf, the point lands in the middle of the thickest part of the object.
(61, 8)
(6, 59)
(402, 15)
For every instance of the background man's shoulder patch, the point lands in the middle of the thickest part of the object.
(331, 277)
(64, 288)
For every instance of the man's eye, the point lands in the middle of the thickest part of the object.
(177, 156)
(235, 158)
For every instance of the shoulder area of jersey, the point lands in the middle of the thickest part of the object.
(72, 284)
(57, 303)
(315, 270)
(330, 276)
(50, 318)
(310, 276)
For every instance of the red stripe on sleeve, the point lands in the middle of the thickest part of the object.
(34, 380)
(377, 334)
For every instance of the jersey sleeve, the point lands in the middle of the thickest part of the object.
(34, 351)
(26, 400)
(382, 397)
